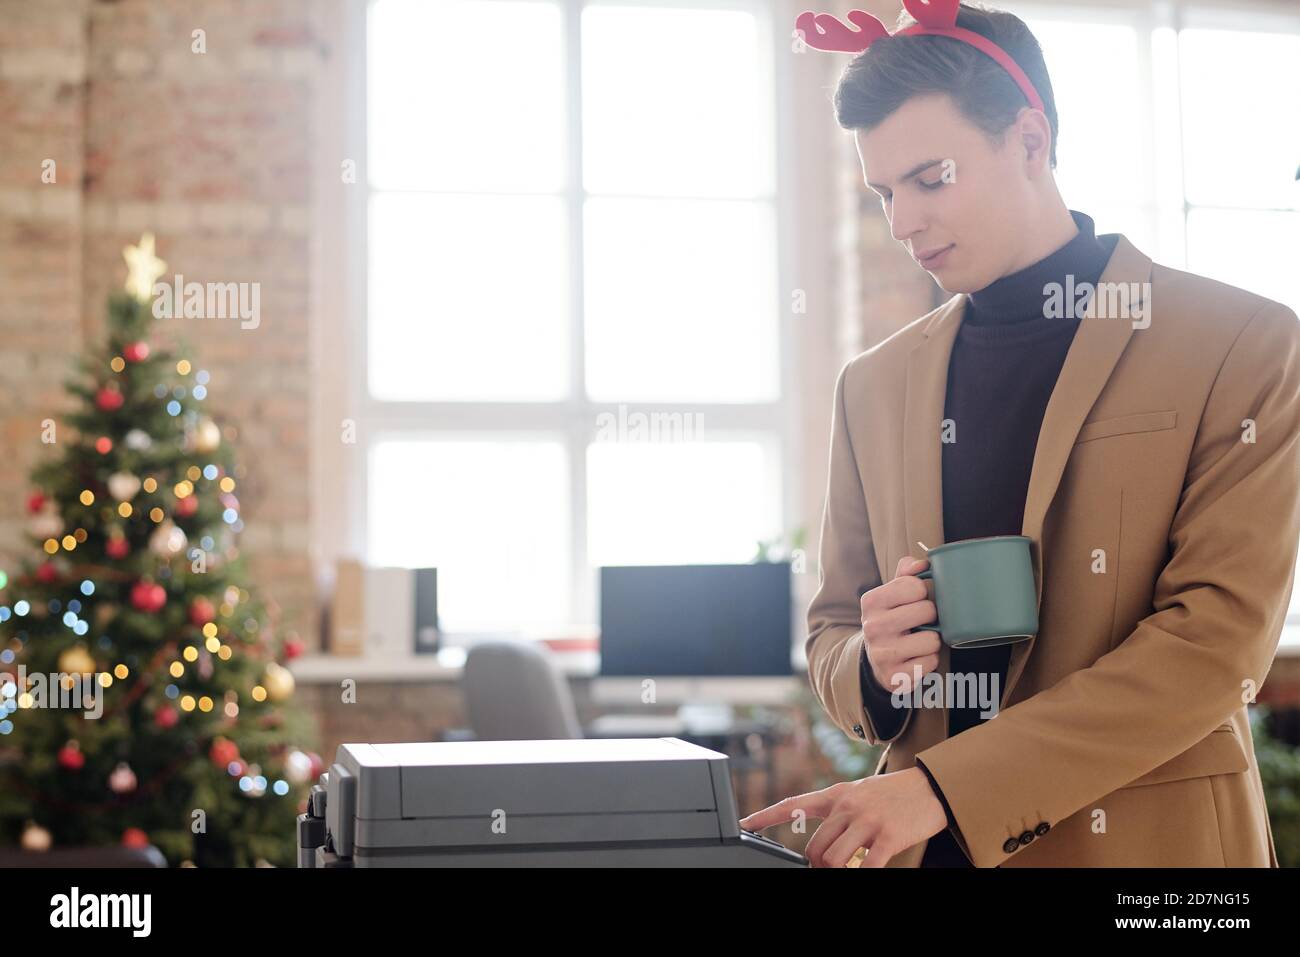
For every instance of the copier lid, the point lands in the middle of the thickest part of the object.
(579, 776)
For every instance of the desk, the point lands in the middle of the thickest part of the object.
(749, 744)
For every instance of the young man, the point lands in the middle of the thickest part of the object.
(1139, 423)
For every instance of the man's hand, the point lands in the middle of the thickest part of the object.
(889, 612)
(885, 813)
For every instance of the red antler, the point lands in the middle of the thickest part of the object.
(933, 14)
(822, 31)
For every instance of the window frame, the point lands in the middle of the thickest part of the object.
(575, 417)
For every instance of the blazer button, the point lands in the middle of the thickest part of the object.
(1010, 845)
(1026, 837)
(857, 729)
(1043, 828)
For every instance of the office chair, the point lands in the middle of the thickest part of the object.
(513, 692)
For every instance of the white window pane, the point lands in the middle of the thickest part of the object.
(676, 101)
(1240, 117)
(492, 516)
(466, 94)
(681, 301)
(694, 502)
(468, 297)
(1100, 143)
(1253, 249)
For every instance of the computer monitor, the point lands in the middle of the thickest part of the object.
(697, 630)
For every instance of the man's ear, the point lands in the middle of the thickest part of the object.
(1034, 135)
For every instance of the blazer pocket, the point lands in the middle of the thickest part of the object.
(1219, 752)
(1124, 424)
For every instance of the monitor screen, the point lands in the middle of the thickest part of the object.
(695, 620)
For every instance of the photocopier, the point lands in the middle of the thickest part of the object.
(588, 802)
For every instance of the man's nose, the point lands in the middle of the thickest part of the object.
(903, 222)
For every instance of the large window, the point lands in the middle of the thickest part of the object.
(572, 345)
(1183, 135)
(1187, 141)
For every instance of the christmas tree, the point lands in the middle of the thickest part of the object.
(143, 693)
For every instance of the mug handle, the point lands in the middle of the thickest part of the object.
(927, 574)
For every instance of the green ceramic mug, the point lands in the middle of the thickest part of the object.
(984, 591)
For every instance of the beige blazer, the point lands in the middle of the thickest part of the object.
(1122, 738)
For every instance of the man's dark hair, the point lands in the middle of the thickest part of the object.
(881, 79)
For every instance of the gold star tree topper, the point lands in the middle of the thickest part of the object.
(143, 268)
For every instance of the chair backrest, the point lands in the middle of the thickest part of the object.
(513, 692)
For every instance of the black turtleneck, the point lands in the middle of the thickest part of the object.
(1005, 361)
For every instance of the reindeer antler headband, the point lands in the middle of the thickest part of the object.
(937, 18)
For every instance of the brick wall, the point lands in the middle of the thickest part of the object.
(211, 151)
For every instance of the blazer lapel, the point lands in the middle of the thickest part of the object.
(927, 387)
(1097, 345)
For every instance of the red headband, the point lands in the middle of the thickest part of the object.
(937, 18)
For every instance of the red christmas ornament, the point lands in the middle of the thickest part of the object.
(103, 445)
(166, 716)
(223, 751)
(70, 757)
(148, 596)
(317, 766)
(293, 648)
(201, 612)
(135, 838)
(36, 502)
(136, 352)
(109, 399)
(117, 547)
(186, 507)
(46, 573)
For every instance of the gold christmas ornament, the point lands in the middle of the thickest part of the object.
(76, 661)
(167, 541)
(123, 486)
(143, 268)
(46, 523)
(36, 838)
(278, 682)
(207, 436)
(138, 440)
